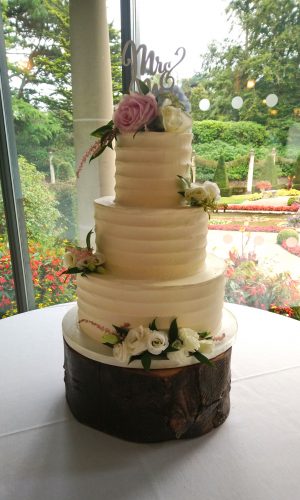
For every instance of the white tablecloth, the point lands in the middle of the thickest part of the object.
(45, 454)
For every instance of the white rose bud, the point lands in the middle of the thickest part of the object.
(157, 342)
(190, 339)
(69, 260)
(206, 346)
(136, 341)
(175, 120)
(121, 353)
(212, 190)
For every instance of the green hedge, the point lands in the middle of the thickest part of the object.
(233, 133)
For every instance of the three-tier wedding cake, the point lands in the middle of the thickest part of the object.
(147, 349)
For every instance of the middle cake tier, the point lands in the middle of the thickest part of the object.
(142, 243)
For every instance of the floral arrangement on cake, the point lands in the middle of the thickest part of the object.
(168, 111)
(203, 195)
(79, 260)
(148, 343)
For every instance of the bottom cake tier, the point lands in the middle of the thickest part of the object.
(164, 403)
(195, 301)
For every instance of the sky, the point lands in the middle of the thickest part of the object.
(166, 25)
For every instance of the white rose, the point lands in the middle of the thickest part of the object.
(136, 340)
(69, 260)
(121, 353)
(206, 346)
(196, 193)
(212, 190)
(179, 357)
(175, 120)
(190, 339)
(157, 341)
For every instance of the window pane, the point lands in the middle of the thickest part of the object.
(38, 54)
(241, 74)
(7, 294)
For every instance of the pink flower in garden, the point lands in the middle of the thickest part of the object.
(134, 112)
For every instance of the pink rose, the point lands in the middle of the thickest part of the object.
(134, 112)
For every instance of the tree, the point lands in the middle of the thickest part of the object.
(268, 54)
(221, 177)
(41, 214)
(41, 31)
(41, 86)
(297, 174)
(269, 171)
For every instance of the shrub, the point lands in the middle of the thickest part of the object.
(230, 132)
(292, 200)
(255, 196)
(40, 206)
(269, 170)
(287, 192)
(285, 234)
(297, 172)
(294, 220)
(238, 190)
(263, 185)
(220, 176)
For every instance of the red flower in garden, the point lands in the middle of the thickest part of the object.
(50, 277)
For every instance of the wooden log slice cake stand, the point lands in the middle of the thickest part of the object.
(144, 406)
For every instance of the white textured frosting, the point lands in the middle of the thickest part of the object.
(196, 301)
(147, 165)
(143, 243)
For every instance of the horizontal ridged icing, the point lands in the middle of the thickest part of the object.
(196, 301)
(147, 165)
(140, 243)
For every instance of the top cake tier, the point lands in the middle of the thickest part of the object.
(147, 165)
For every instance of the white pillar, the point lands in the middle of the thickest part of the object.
(51, 166)
(92, 102)
(273, 154)
(250, 172)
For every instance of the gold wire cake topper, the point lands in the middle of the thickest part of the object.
(143, 63)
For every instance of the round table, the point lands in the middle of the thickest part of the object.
(46, 454)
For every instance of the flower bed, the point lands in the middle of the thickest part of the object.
(50, 286)
(241, 227)
(295, 250)
(251, 285)
(262, 208)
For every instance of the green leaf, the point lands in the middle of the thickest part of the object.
(205, 335)
(203, 359)
(88, 239)
(109, 339)
(144, 88)
(153, 326)
(184, 180)
(72, 270)
(173, 331)
(121, 330)
(146, 360)
(99, 132)
(171, 349)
